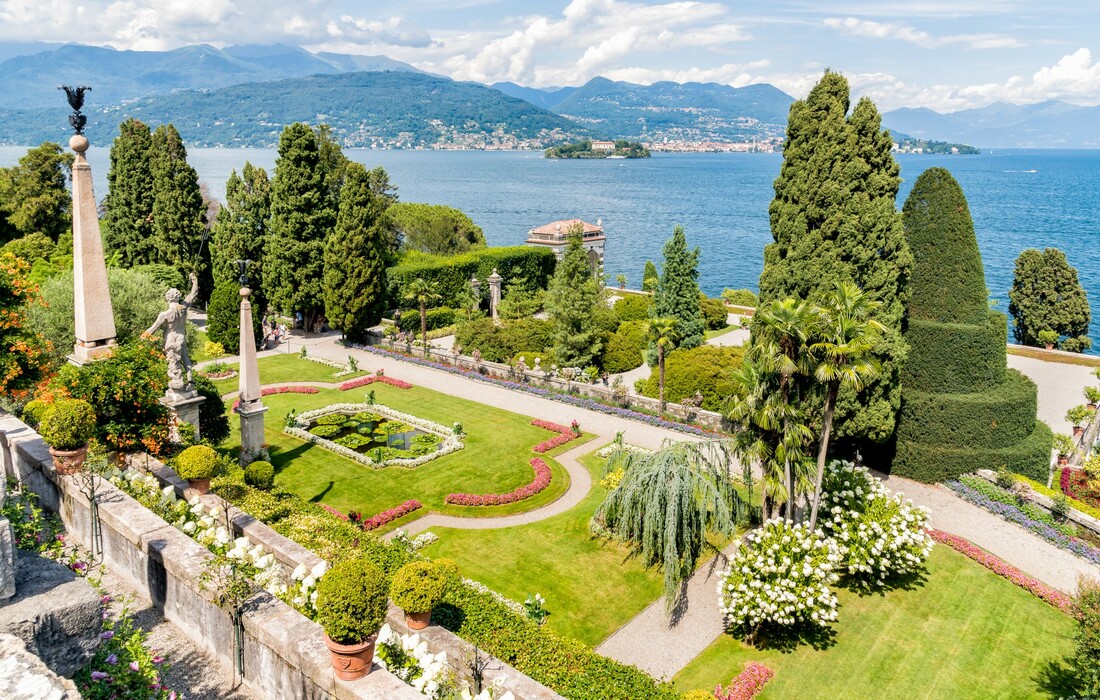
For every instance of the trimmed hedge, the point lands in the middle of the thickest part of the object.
(953, 357)
(435, 318)
(501, 343)
(625, 348)
(932, 462)
(714, 312)
(705, 369)
(1003, 415)
(634, 307)
(451, 274)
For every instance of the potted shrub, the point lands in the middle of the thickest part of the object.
(417, 588)
(1048, 339)
(1078, 416)
(197, 464)
(66, 427)
(1092, 395)
(351, 607)
(1063, 444)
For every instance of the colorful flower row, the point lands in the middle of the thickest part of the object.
(383, 518)
(747, 684)
(551, 426)
(576, 401)
(268, 391)
(1075, 484)
(219, 376)
(542, 480)
(371, 379)
(564, 435)
(998, 566)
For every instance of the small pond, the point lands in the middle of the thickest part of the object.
(376, 436)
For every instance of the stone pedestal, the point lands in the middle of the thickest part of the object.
(185, 406)
(252, 429)
(494, 293)
(251, 408)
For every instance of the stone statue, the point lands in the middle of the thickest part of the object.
(174, 319)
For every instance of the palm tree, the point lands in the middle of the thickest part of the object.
(621, 279)
(842, 357)
(423, 293)
(662, 331)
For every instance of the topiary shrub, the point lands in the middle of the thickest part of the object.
(500, 343)
(435, 318)
(705, 369)
(259, 474)
(633, 307)
(33, 411)
(625, 348)
(197, 462)
(213, 421)
(740, 297)
(68, 424)
(351, 601)
(451, 274)
(223, 317)
(714, 312)
(418, 587)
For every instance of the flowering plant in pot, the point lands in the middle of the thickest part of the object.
(1064, 445)
(197, 464)
(351, 607)
(66, 427)
(1078, 416)
(1092, 396)
(1048, 338)
(417, 588)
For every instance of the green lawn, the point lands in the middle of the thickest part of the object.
(962, 632)
(281, 369)
(721, 331)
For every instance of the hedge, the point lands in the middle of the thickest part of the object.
(1003, 415)
(714, 312)
(931, 462)
(955, 357)
(634, 307)
(624, 348)
(451, 274)
(435, 318)
(705, 369)
(501, 343)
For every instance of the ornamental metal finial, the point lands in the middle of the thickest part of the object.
(242, 268)
(76, 101)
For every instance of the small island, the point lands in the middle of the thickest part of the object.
(914, 145)
(599, 149)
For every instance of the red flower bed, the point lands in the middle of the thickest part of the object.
(998, 566)
(564, 435)
(747, 684)
(1075, 484)
(542, 480)
(282, 390)
(386, 516)
(371, 379)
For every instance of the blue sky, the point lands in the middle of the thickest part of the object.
(936, 53)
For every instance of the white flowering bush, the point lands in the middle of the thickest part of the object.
(878, 535)
(781, 576)
(301, 593)
(408, 658)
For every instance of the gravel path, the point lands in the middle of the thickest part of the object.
(1060, 388)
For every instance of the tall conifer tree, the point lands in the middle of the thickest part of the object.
(179, 213)
(128, 221)
(677, 294)
(301, 217)
(33, 194)
(240, 230)
(573, 300)
(355, 257)
(834, 219)
(1046, 296)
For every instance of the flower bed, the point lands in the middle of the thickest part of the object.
(588, 404)
(541, 481)
(371, 379)
(1075, 504)
(1014, 515)
(747, 684)
(218, 376)
(1031, 510)
(272, 390)
(608, 450)
(377, 521)
(1075, 484)
(564, 435)
(998, 566)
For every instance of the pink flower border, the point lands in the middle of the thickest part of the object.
(371, 379)
(541, 481)
(282, 390)
(747, 684)
(564, 435)
(383, 518)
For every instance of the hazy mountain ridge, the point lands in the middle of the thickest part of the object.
(1049, 124)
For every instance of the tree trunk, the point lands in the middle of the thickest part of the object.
(661, 375)
(826, 428)
(424, 328)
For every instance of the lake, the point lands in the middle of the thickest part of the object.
(1018, 198)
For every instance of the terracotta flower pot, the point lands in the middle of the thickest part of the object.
(68, 462)
(418, 621)
(1078, 430)
(351, 661)
(202, 486)
(1091, 406)
(1048, 346)
(1063, 460)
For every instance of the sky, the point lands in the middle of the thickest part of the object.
(942, 54)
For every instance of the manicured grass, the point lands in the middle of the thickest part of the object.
(495, 459)
(1048, 356)
(960, 632)
(198, 353)
(721, 331)
(283, 369)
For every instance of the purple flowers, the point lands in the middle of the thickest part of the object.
(98, 675)
(134, 666)
(106, 635)
(112, 659)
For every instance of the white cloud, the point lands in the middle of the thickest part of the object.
(888, 30)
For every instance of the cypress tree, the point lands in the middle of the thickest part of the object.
(355, 257)
(962, 409)
(650, 278)
(1046, 295)
(573, 300)
(223, 316)
(179, 213)
(677, 294)
(834, 220)
(128, 219)
(240, 230)
(33, 196)
(301, 217)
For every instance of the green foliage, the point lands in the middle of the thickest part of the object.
(179, 213)
(714, 313)
(435, 229)
(451, 274)
(134, 671)
(624, 348)
(834, 224)
(213, 421)
(438, 317)
(166, 276)
(128, 208)
(677, 295)
(1046, 296)
(23, 348)
(1079, 344)
(33, 196)
(706, 369)
(418, 587)
(1079, 415)
(519, 301)
(355, 257)
(956, 357)
(1086, 657)
(634, 307)
(34, 409)
(34, 246)
(68, 424)
(650, 278)
(326, 431)
(931, 463)
(240, 230)
(1047, 337)
(197, 462)
(573, 301)
(583, 149)
(259, 475)
(351, 601)
(223, 317)
(740, 297)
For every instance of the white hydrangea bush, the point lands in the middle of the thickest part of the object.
(878, 534)
(780, 576)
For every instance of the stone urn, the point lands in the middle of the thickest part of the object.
(69, 462)
(418, 621)
(351, 661)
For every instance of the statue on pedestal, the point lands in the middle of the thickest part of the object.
(174, 320)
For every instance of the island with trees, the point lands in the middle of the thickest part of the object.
(599, 149)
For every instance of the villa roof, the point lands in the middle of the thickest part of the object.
(564, 225)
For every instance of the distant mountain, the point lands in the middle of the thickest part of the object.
(367, 109)
(547, 98)
(11, 49)
(1050, 124)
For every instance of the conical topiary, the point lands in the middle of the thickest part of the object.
(962, 409)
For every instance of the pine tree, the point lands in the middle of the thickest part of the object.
(677, 294)
(1046, 295)
(301, 217)
(573, 299)
(240, 230)
(355, 257)
(834, 220)
(128, 220)
(33, 196)
(179, 213)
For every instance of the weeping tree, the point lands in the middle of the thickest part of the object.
(668, 501)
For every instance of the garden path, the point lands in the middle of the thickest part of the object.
(1060, 388)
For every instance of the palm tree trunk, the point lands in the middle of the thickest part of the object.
(661, 375)
(424, 328)
(823, 448)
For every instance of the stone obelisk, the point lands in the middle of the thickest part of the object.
(95, 318)
(251, 408)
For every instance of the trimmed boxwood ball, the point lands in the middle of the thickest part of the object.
(714, 312)
(197, 462)
(418, 587)
(68, 424)
(634, 307)
(351, 601)
(259, 474)
(34, 410)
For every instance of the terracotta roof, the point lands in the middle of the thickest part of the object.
(564, 225)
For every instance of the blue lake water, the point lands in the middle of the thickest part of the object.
(1018, 198)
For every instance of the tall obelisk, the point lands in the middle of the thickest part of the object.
(250, 406)
(95, 318)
